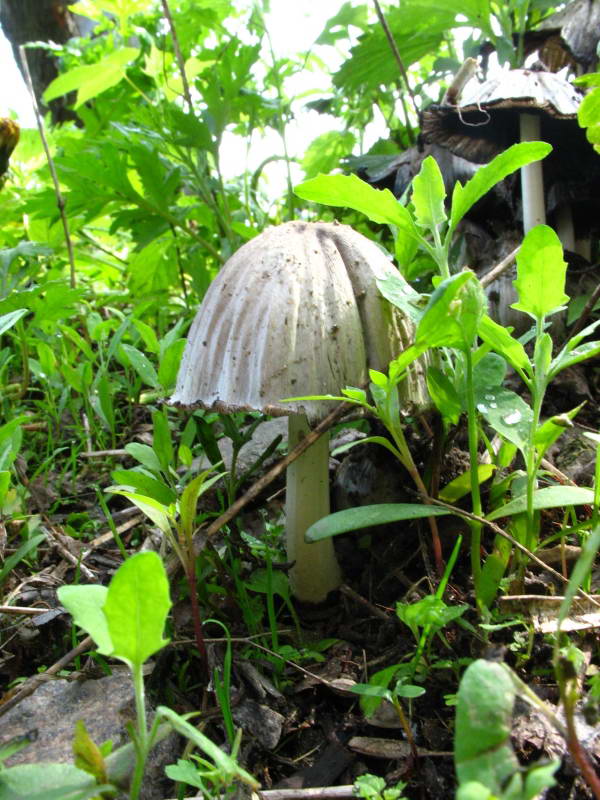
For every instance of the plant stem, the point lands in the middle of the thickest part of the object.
(141, 741)
(60, 201)
(190, 571)
(474, 459)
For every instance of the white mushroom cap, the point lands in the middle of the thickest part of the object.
(294, 312)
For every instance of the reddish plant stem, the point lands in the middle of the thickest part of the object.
(190, 572)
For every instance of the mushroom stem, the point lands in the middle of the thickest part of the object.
(316, 571)
(532, 182)
(565, 228)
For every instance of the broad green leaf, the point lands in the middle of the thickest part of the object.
(486, 177)
(10, 319)
(162, 443)
(461, 486)
(145, 485)
(85, 603)
(549, 497)
(48, 781)
(349, 191)
(169, 364)
(157, 512)
(504, 344)
(353, 519)
(507, 413)
(326, 152)
(398, 291)
(92, 79)
(145, 455)
(452, 314)
(541, 272)
(567, 358)
(428, 195)
(444, 395)
(136, 608)
(482, 747)
(142, 366)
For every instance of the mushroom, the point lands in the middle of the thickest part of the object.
(295, 312)
(518, 105)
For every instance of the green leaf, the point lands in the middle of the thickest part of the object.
(162, 443)
(486, 177)
(504, 344)
(482, 748)
(136, 608)
(507, 413)
(552, 429)
(85, 603)
(91, 80)
(353, 519)
(398, 291)
(169, 364)
(189, 498)
(142, 366)
(349, 191)
(327, 151)
(225, 764)
(145, 455)
(20, 553)
(88, 756)
(452, 315)
(428, 195)
(157, 512)
(549, 497)
(48, 781)
(541, 272)
(10, 319)
(444, 395)
(145, 485)
(461, 486)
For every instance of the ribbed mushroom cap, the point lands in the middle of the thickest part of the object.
(487, 120)
(293, 312)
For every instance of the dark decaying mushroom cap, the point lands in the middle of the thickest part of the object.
(576, 31)
(294, 312)
(487, 120)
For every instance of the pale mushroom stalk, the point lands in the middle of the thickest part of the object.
(532, 179)
(316, 571)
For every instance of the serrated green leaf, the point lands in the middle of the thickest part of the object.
(486, 177)
(136, 607)
(541, 273)
(91, 80)
(349, 191)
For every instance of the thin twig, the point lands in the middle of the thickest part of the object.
(178, 55)
(501, 532)
(499, 269)
(31, 684)
(396, 54)
(60, 201)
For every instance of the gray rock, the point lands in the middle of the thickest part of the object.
(105, 706)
